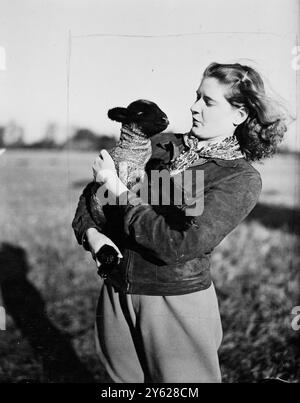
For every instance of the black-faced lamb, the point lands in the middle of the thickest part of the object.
(141, 120)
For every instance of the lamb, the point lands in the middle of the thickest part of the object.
(141, 120)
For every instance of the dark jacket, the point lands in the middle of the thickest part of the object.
(160, 259)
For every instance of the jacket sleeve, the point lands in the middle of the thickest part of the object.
(225, 206)
(83, 219)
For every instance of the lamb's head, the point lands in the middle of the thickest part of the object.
(146, 115)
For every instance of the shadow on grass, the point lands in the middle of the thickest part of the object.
(277, 217)
(25, 305)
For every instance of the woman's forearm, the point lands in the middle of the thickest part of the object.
(83, 219)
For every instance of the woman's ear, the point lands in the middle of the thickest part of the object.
(240, 115)
(118, 114)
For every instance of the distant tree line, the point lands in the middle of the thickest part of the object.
(81, 139)
(85, 140)
(12, 137)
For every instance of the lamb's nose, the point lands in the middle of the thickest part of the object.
(165, 120)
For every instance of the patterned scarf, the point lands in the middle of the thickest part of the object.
(226, 149)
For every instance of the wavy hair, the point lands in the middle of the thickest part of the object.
(265, 126)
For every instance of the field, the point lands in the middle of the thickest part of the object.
(49, 285)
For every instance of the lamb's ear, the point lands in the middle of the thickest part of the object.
(118, 114)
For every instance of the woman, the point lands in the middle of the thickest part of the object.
(158, 317)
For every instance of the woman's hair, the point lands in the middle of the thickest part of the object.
(264, 128)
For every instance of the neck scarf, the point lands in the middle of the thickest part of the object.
(226, 149)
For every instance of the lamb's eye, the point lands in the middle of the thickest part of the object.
(140, 113)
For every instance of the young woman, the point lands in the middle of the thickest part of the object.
(158, 318)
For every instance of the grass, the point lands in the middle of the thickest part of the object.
(49, 285)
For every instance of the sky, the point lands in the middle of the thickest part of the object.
(69, 61)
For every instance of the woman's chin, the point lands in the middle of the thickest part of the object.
(197, 132)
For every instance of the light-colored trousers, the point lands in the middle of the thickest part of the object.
(142, 338)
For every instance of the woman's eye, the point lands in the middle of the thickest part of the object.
(207, 102)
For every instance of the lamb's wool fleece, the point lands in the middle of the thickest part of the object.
(133, 148)
(130, 155)
(140, 121)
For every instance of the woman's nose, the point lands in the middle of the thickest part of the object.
(196, 107)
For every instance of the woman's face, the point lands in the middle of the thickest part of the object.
(213, 115)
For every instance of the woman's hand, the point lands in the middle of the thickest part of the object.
(104, 171)
(104, 167)
(96, 240)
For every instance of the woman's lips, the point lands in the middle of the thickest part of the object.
(197, 122)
